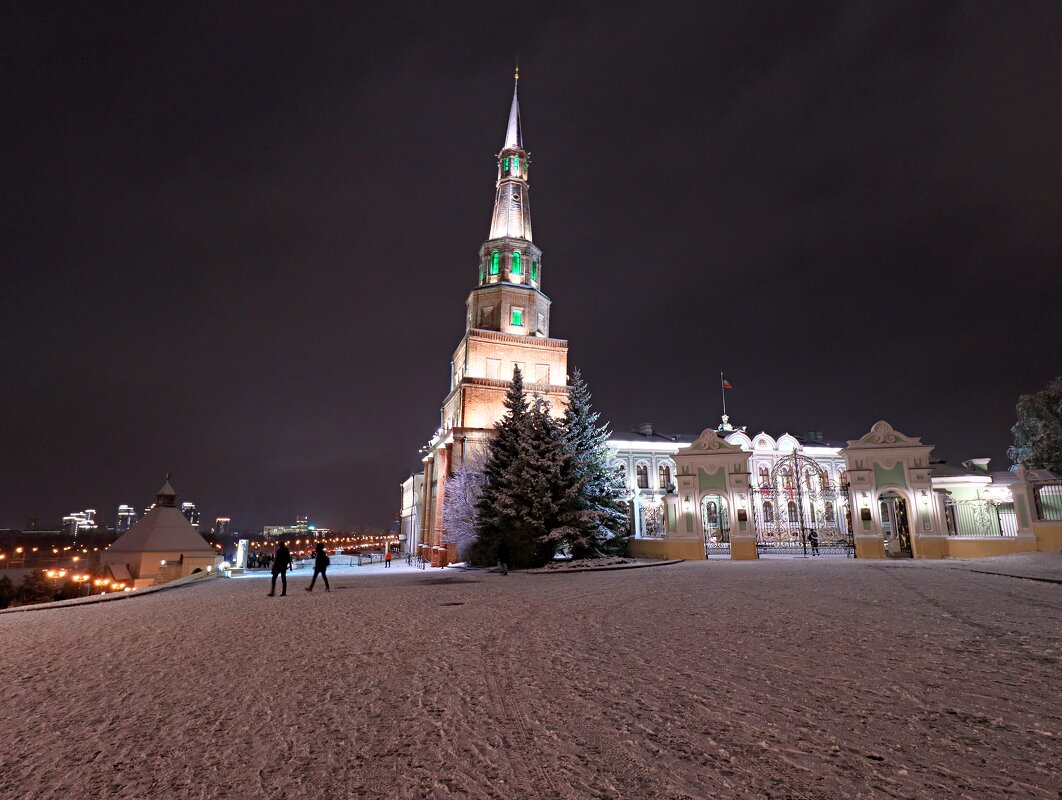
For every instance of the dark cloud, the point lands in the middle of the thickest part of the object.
(238, 243)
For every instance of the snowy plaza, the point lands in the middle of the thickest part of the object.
(794, 678)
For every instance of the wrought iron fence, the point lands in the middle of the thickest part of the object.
(799, 510)
(1048, 500)
(980, 517)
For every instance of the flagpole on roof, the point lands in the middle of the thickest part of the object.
(722, 391)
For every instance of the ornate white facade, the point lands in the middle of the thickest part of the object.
(646, 459)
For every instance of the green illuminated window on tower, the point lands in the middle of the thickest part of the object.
(505, 166)
(516, 169)
(518, 268)
(534, 270)
(494, 260)
(518, 316)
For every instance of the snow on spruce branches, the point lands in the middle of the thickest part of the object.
(548, 484)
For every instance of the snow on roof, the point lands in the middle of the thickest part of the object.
(164, 529)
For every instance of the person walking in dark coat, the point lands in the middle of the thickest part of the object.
(320, 565)
(281, 559)
(503, 557)
(813, 540)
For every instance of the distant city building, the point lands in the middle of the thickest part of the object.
(126, 517)
(222, 527)
(301, 529)
(191, 513)
(79, 523)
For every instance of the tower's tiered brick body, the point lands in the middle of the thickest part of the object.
(507, 320)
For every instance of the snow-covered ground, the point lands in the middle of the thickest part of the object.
(810, 678)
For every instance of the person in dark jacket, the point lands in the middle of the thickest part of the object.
(281, 559)
(320, 566)
(503, 557)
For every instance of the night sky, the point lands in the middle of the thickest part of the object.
(237, 241)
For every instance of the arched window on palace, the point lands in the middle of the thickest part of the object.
(642, 474)
(828, 511)
(518, 267)
(787, 478)
(768, 512)
(765, 478)
(792, 513)
(842, 478)
(808, 476)
(824, 480)
(495, 262)
(663, 474)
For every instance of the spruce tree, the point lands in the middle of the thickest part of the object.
(539, 481)
(495, 508)
(593, 520)
(1038, 431)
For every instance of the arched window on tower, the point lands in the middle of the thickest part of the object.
(516, 165)
(534, 270)
(495, 262)
(505, 166)
(518, 266)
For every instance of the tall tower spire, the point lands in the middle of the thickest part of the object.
(514, 137)
(512, 214)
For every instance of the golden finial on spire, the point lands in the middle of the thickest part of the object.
(516, 77)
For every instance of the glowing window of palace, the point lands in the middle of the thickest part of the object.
(642, 475)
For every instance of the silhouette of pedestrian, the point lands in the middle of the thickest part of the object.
(320, 566)
(387, 559)
(503, 557)
(813, 540)
(281, 560)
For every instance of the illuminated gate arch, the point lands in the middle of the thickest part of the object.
(801, 510)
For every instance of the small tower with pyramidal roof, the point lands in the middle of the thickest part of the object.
(161, 546)
(507, 322)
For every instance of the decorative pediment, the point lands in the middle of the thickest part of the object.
(710, 442)
(882, 434)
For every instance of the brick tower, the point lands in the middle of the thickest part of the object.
(506, 325)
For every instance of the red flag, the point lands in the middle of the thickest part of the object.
(726, 384)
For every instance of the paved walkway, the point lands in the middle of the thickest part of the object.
(805, 679)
